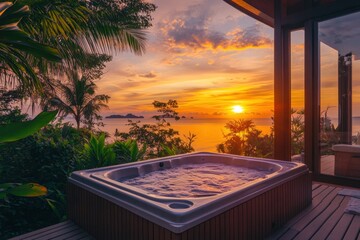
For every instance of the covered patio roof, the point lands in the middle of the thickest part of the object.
(262, 11)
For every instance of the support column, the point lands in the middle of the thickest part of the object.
(312, 97)
(282, 87)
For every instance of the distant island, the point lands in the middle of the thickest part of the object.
(129, 115)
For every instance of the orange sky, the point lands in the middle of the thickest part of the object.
(209, 57)
(205, 54)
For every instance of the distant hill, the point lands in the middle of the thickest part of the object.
(129, 115)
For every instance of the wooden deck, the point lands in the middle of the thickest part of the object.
(61, 231)
(324, 219)
(327, 164)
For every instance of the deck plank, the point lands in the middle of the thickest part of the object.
(342, 226)
(353, 231)
(318, 222)
(42, 230)
(315, 185)
(54, 233)
(291, 229)
(324, 219)
(64, 230)
(325, 230)
(319, 190)
(316, 211)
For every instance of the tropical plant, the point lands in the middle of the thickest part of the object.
(128, 151)
(16, 131)
(9, 110)
(297, 131)
(77, 98)
(47, 157)
(14, 43)
(97, 153)
(79, 27)
(328, 133)
(159, 136)
(244, 139)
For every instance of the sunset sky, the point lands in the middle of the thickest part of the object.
(205, 54)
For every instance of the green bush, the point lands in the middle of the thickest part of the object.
(97, 153)
(47, 157)
(128, 151)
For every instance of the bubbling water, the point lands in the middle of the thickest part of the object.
(195, 180)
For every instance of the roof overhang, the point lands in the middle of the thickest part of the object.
(261, 10)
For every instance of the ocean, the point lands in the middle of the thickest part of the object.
(209, 131)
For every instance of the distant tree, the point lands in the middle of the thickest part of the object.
(160, 138)
(328, 133)
(167, 110)
(77, 98)
(9, 110)
(297, 131)
(244, 139)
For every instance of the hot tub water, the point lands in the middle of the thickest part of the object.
(195, 180)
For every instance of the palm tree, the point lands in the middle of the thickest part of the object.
(78, 27)
(15, 43)
(77, 98)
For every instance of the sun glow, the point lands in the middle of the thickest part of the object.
(237, 109)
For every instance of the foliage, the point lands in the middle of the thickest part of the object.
(79, 27)
(159, 137)
(167, 110)
(15, 131)
(22, 190)
(97, 153)
(9, 112)
(328, 133)
(15, 42)
(77, 96)
(244, 139)
(128, 151)
(297, 131)
(47, 157)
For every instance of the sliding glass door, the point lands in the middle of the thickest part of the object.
(339, 46)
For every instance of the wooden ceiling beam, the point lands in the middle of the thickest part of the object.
(252, 11)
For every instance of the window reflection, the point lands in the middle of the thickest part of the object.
(340, 96)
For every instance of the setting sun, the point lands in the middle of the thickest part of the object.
(237, 109)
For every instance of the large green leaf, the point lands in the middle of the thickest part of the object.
(28, 190)
(15, 131)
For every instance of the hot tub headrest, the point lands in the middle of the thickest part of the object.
(346, 148)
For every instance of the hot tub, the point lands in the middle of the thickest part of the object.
(136, 201)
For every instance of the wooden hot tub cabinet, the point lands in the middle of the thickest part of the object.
(253, 219)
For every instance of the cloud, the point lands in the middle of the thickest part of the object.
(218, 113)
(148, 75)
(194, 30)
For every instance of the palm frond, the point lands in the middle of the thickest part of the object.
(14, 42)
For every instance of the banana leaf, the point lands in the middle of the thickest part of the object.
(16, 131)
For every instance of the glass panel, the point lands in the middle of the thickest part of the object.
(340, 96)
(297, 95)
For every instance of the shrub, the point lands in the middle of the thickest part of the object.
(128, 151)
(97, 153)
(159, 137)
(47, 157)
